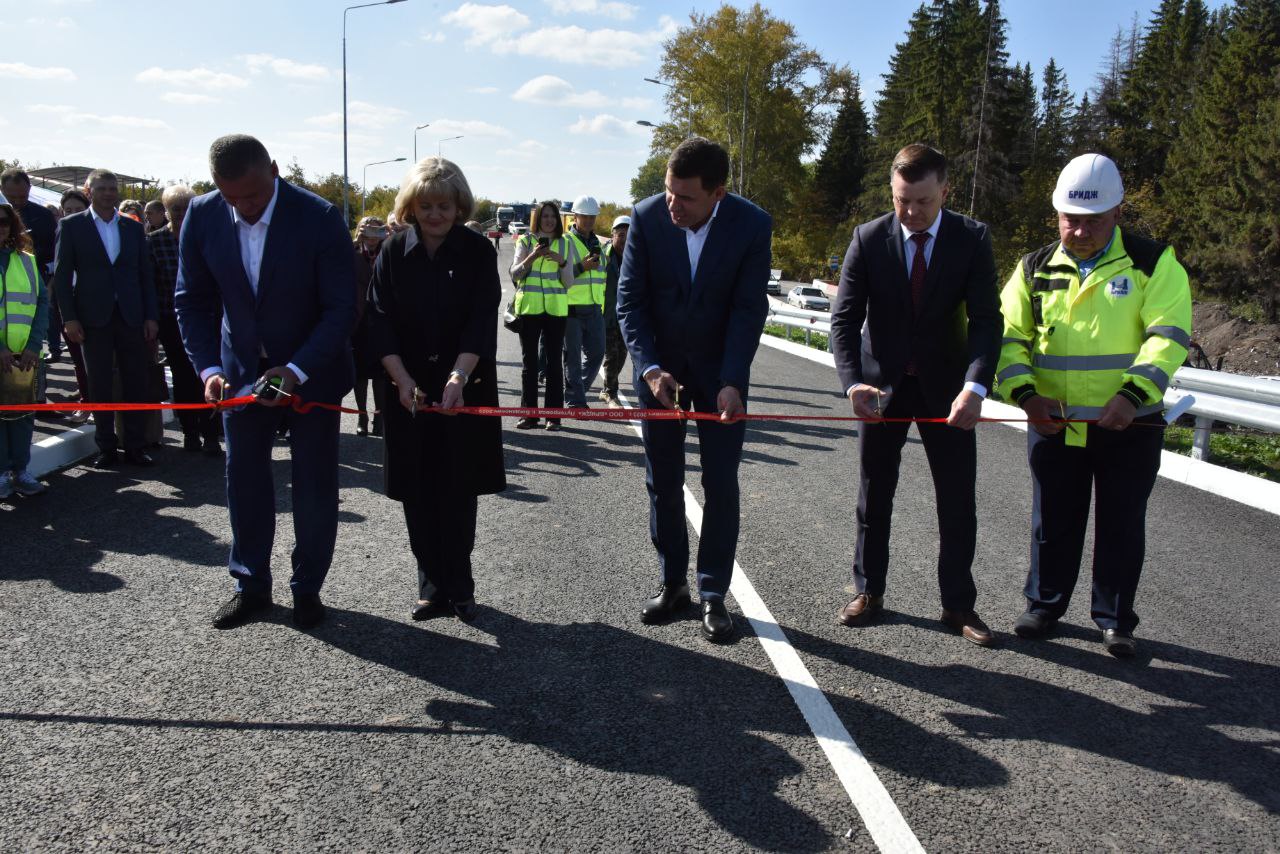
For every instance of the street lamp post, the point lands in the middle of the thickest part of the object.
(364, 179)
(346, 206)
(439, 142)
(688, 106)
(415, 140)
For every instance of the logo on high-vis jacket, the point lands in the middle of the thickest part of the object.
(1118, 287)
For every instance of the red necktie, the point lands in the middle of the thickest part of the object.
(918, 270)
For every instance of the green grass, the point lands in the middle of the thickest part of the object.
(817, 340)
(1251, 453)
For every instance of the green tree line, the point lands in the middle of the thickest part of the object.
(1188, 104)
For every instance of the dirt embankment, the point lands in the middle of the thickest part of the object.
(1245, 347)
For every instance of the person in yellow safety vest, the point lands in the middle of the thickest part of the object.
(1095, 326)
(24, 321)
(584, 332)
(542, 276)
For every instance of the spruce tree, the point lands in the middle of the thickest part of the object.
(839, 174)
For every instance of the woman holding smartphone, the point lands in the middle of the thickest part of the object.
(542, 276)
(432, 315)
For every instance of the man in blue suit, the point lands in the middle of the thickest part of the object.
(104, 282)
(266, 289)
(691, 307)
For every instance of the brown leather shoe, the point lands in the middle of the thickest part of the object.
(861, 611)
(970, 626)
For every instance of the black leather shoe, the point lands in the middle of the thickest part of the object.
(106, 460)
(138, 458)
(527, 424)
(428, 610)
(307, 610)
(192, 443)
(717, 625)
(212, 448)
(1118, 643)
(240, 609)
(666, 603)
(1032, 625)
(553, 424)
(465, 610)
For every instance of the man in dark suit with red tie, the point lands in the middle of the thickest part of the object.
(923, 280)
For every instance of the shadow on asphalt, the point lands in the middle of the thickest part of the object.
(615, 700)
(87, 513)
(1209, 693)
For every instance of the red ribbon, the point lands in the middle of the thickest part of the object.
(576, 414)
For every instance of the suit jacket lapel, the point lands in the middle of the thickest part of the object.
(95, 238)
(719, 238)
(900, 278)
(231, 235)
(678, 252)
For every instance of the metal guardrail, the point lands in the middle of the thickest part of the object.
(784, 314)
(1232, 398)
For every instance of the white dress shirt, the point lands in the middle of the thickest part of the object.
(253, 240)
(109, 231)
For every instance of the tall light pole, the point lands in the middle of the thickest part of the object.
(415, 140)
(364, 179)
(688, 106)
(346, 206)
(439, 142)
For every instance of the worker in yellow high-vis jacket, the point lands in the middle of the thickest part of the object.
(1095, 326)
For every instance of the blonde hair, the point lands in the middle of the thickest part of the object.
(434, 176)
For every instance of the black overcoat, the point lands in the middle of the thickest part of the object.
(426, 311)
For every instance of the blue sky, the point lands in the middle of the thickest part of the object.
(544, 93)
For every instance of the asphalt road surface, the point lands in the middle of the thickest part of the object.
(558, 722)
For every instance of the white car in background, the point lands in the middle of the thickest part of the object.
(808, 297)
(516, 229)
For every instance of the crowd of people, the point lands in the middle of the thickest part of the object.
(1090, 327)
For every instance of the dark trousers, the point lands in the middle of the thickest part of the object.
(365, 375)
(615, 355)
(720, 452)
(187, 387)
(442, 533)
(54, 335)
(313, 446)
(953, 462)
(117, 345)
(1120, 469)
(550, 330)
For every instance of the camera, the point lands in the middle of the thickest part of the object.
(544, 242)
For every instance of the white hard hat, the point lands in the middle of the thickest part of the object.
(586, 205)
(1089, 184)
(619, 222)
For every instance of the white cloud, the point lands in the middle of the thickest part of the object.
(576, 45)
(22, 71)
(432, 38)
(484, 90)
(552, 91)
(188, 98)
(604, 8)
(486, 23)
(286, 68)
(471, 128)
(62, 23)
(605, 125)
(132, 122)
(364, 115)
(194, 78)
(55, 109)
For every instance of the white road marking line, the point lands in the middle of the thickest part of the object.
(879, 813)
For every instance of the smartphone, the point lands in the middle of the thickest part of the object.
(544, 242)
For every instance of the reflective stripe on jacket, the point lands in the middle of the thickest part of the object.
(1124, 329)
(589, 287)
(541, 292)
(21, 295)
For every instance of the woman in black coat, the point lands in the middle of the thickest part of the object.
(433, 323)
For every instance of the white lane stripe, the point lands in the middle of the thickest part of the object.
(1244, 488)
(879, 813)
